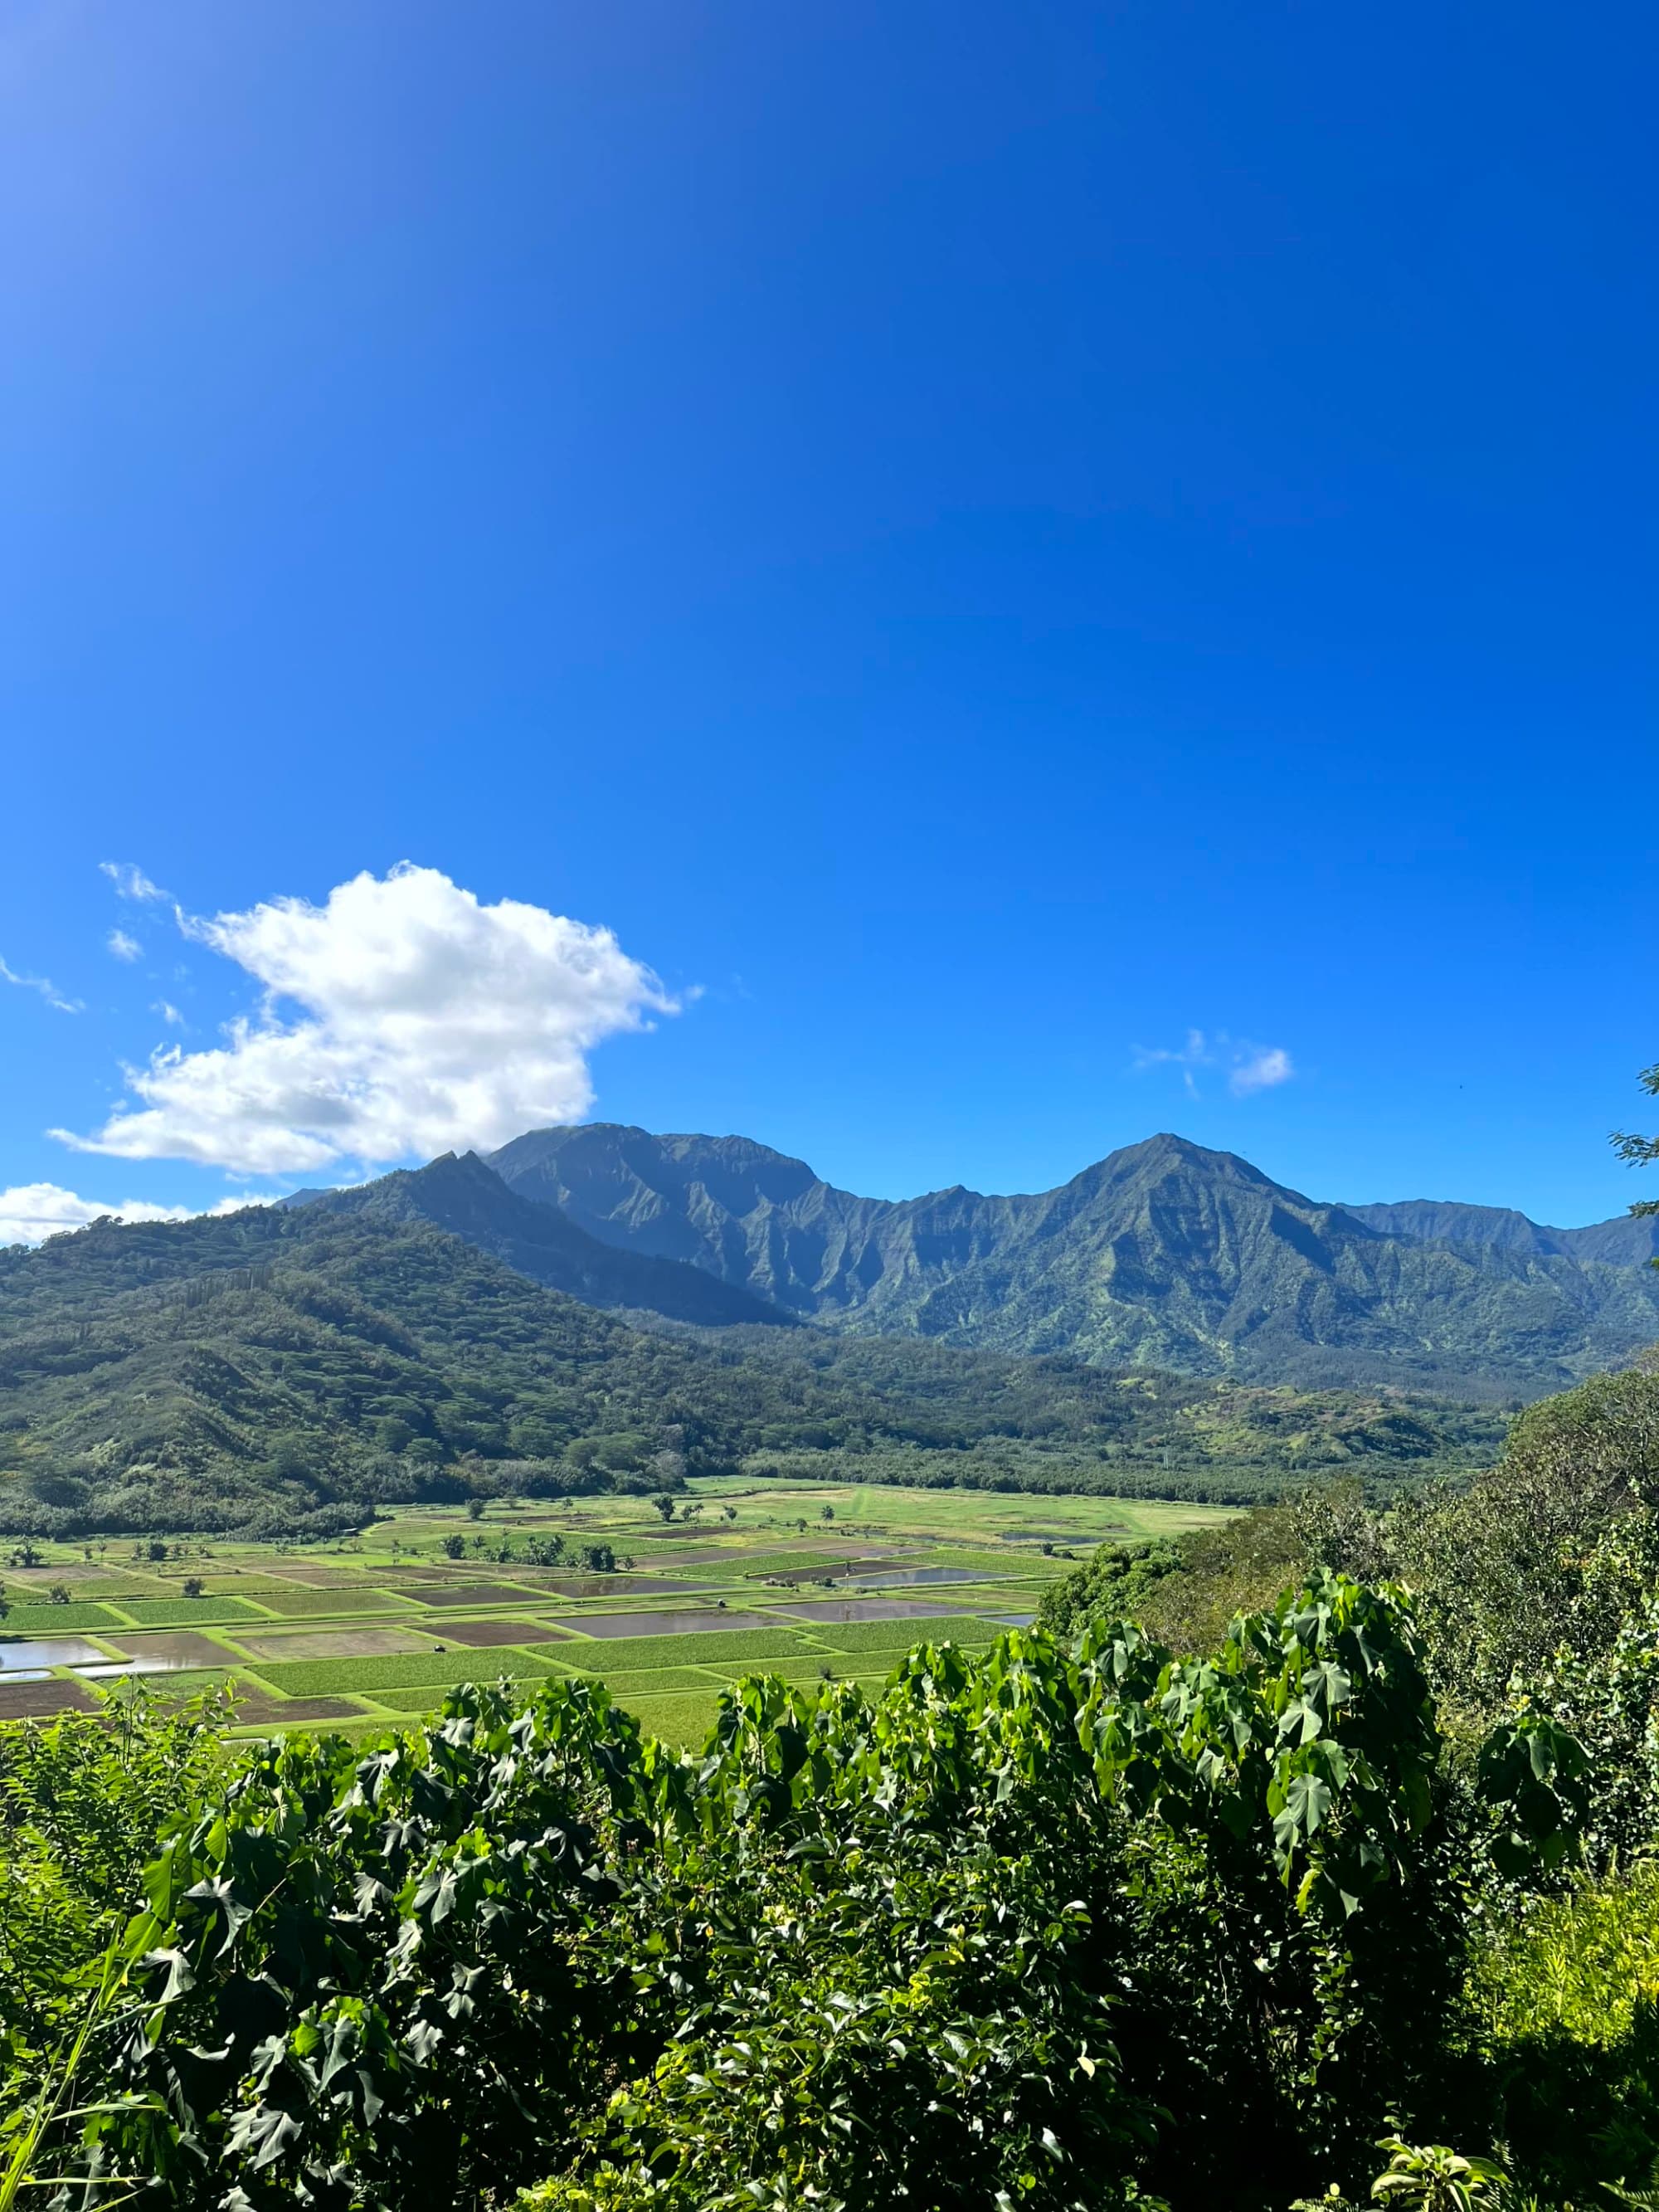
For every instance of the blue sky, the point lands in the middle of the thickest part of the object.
(978, 541)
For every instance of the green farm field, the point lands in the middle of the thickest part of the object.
(809, 1580)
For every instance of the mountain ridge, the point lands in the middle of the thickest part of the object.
(1163, 1253)
(459, 1193)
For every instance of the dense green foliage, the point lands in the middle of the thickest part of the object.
(1539, 1567)
(1039, 1926)
(1163, 1254)
(286, 1372)
(82, 1803)
(1538, 1589)
(1068, 1922)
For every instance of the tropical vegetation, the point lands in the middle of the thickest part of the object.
(280, 1373)
(1106, 1912)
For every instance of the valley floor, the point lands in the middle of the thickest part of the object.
(808, 1581)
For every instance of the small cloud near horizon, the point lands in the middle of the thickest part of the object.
(32, 1212)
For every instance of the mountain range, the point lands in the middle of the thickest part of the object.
(1163, 1254)
(286, 1371)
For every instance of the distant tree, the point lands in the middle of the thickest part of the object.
(289, 1456)
(393, 1434)
(598, 1558)
(5, 1603)
(475, 1508)
(156, 1551)
(1640, 1152)
(454, 1547)
(828, 1514)
(535, 1438)
(194, 1586)
(664, 1504)
(59, 1594)
(731, 1512)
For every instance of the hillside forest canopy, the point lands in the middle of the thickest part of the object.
(282, 1374)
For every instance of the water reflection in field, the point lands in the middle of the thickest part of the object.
(45, 1651)
(909, 1575)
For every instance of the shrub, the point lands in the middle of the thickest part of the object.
(855, 1952)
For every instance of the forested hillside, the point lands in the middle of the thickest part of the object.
(1162, 1255)
(286, 1371)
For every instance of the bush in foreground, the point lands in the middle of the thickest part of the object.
(1044, 1927)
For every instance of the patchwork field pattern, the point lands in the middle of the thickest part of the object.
(809, 1581)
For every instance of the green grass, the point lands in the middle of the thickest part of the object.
(649, 1682)
(185, 1682)
(1009, 1560)
(627, 1654)
(188, 1612)
(44, 1620)
(683, 1721)
(881, 1510)
(300, 1604)
(759, 1563)
(804, 1672)
(901, 1636)
(344, 1678)
(654, 1682)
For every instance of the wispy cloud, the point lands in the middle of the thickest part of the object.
(123, 946)
(47, 989)
(130, 882)
(1195, 1053)
(1245, 1067)
(169, 1014)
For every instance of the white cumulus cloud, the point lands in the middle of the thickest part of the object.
(1246, 1068)
(401, 1017)
(32, 1212)
(123, 946)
